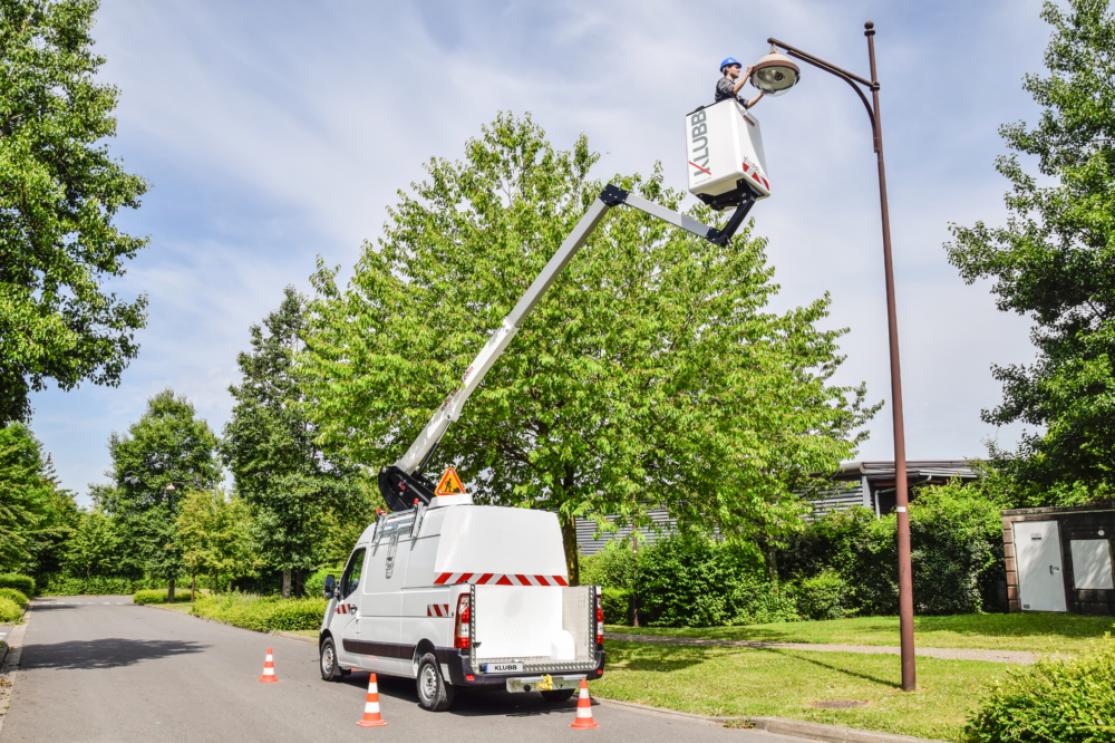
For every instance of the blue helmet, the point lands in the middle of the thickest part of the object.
(728, 62)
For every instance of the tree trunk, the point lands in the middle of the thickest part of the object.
(193, 587)
(286, 583)
(170, 591)
(569, 541)
(299, 582)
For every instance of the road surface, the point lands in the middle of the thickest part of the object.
(99, 669)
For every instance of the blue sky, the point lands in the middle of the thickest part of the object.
(272, 133)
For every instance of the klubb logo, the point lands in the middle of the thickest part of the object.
(698, 146)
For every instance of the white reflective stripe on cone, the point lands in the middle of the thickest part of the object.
(584, 712)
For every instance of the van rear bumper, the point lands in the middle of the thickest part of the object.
(459, 664)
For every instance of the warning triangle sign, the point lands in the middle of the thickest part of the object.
(450, 484)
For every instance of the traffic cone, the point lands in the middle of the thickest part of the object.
(584, 719)
(268, 676)
(371, 718)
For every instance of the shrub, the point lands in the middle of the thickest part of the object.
(23, 583)
(17, 596)
(691, 581)
(260, 613)
(824, 596)
(315, 583)
(616, 603)
(9, 610)
(1060, 700)
(101, 585)
(158, 596)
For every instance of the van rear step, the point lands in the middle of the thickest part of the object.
(545, 682)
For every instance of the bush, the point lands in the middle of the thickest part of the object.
(315, 584)
(1065, 701)
(263, 614)
(616, 603)
(101, 585)
(9, 611)
(957, 557)
(691, 581)
(23, 583)
(824, 596)
(17, 596)
(158, 596)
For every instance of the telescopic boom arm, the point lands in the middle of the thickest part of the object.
(402, 482)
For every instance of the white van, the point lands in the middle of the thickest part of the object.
(457, 595)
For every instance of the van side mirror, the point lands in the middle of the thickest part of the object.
(330, 586)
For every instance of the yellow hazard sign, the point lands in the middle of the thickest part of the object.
(450, 484)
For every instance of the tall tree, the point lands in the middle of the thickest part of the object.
(35, 514)
(651, 375)
(165, 454)
(215, 534)
(59, 194)
(269, 446)
(93, 548)
(1054, 261)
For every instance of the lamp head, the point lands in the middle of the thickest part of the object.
(775, 73)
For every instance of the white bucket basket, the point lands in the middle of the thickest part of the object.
(725, 149)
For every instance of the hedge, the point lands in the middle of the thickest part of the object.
(9, 611)
(1065, 701)
(23, 583)
(261, 613)
(101, 585)
(158, 596)
(17, 596)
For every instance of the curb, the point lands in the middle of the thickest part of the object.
(778, 725)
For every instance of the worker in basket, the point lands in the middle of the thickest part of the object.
(733, 78)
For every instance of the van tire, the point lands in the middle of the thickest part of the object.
(557, 696)
(327, 661)
(433, 693)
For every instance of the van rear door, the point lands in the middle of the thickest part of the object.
(532, 628)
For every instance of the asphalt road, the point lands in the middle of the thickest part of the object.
(100, 669)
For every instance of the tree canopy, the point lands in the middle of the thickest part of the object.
(652, 374)
(59, 193)
(293, 488)
(165, 454)
(1054, 261)
(35, 514)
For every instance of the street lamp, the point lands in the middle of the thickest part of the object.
(775, 74)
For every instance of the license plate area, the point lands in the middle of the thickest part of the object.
(501, 667)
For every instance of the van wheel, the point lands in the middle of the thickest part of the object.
(330, 668)
(433, 693)
(557, 696)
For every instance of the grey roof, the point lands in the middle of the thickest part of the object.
(965, 469)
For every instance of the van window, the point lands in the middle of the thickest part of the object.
(350, 580)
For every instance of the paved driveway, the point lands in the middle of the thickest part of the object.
(100, 669)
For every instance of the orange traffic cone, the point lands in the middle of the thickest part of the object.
(584, 719)
(268, 676)
(371, 718)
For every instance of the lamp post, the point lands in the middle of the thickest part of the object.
(775, 74)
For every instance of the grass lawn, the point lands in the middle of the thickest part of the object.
(788, 683)
(1033, 631)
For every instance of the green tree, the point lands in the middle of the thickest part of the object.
(93, 548)
(59, 193)
(1054, 261)
(651, 374)
(215, 535)
(35, 514)
(163, 455)
(294, 490)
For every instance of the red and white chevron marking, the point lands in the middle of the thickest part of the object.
(437, 610)
(499, 579)
(345, 609)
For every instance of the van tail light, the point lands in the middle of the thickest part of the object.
(464, 617)
(599, 618)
